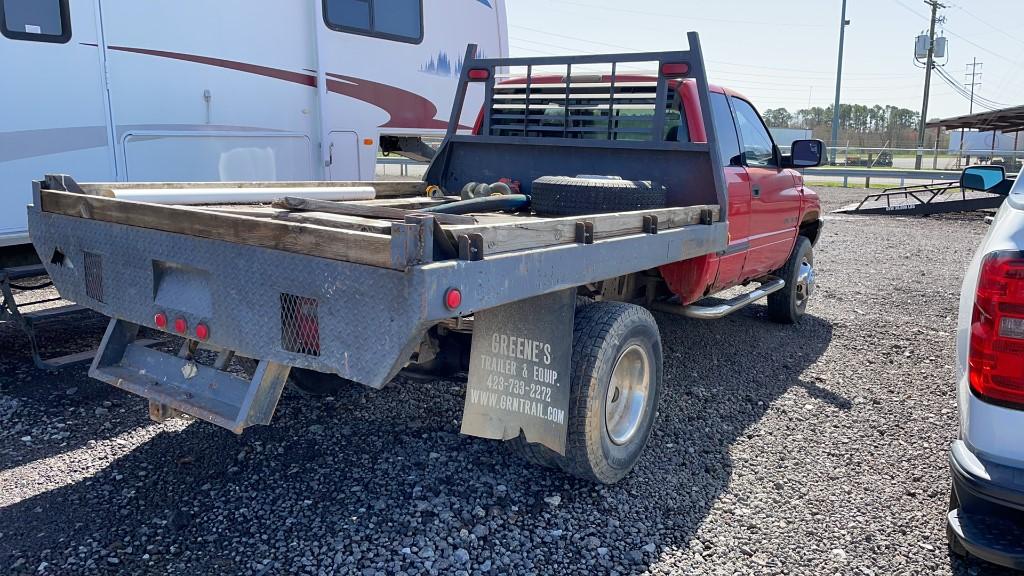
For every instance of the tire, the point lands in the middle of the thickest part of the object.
(606, 334)
(564, 196)
(955, 546)
(536, 454)
(788, 306)
(318, 384)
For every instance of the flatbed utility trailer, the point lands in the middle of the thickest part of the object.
(967, 194)
(364, 289)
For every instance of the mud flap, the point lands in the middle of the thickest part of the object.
(519, 371)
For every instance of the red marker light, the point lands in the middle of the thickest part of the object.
(202, 331)
(675, 69)
(453, 298)
(180, 325)
(479, 74)
(160, 320)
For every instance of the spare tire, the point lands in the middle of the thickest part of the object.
(565, 196)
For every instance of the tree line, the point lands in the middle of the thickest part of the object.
(859, 125)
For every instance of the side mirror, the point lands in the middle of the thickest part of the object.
(982, 178)
(804, 154)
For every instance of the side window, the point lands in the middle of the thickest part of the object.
(758, 148)
(725, 128)
(35, 20)
(400, 20)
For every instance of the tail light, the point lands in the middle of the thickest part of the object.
(996, 357)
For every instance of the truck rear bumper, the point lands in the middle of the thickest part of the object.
(989, 518)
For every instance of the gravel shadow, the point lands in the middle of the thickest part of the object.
(382, 481)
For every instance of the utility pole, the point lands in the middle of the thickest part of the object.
(936, 5)
(843, 23)
(974, 75)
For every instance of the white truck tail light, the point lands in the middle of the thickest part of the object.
(996, 357)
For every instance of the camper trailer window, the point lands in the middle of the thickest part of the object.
(400, 20)
(35, 20)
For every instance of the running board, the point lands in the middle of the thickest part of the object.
(724, 309)
(177, 384)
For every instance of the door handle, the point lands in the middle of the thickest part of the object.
(756, 191)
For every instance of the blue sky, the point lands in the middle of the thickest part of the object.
(783, 52)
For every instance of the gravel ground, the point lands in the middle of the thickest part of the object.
(817, 449)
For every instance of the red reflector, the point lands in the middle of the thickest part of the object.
(479, 74)
(995, 360)
(453, 298)
(202, 331)
(160, 320)
(180, 326)
(675, 69)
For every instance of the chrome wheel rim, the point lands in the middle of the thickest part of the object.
(627, 395)
(804, 282)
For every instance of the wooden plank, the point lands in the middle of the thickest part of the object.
(412, 203)
(336, 221)
(350, 209)
(538, 233)
(335, 244)
(384, 188)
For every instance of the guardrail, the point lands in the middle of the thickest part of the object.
(845, 173)
(868, 173)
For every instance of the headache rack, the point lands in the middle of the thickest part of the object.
(626, 102)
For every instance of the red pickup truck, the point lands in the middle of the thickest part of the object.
(526, 261)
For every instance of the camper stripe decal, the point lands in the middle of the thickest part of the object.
(407, 109)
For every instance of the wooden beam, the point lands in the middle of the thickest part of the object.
(336, 221)
(538, 233)
(350, 209)
(309, 239)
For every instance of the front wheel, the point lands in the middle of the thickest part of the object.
(788, 305)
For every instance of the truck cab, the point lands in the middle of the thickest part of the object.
(768, 204)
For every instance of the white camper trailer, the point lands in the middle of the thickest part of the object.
(169, 90)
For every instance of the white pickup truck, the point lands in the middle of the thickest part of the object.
(986, 505)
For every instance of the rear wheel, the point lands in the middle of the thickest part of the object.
(788, 305)
(615, 390)
(319, 384)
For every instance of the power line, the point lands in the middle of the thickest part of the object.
(718, 62)
(990, 25)
(954, 34)
(619, 10)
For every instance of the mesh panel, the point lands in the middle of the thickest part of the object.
(300, 325)
(94, 276)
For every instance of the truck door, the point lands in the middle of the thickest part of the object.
(775, 199)
(731, 261)
(53, 117)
